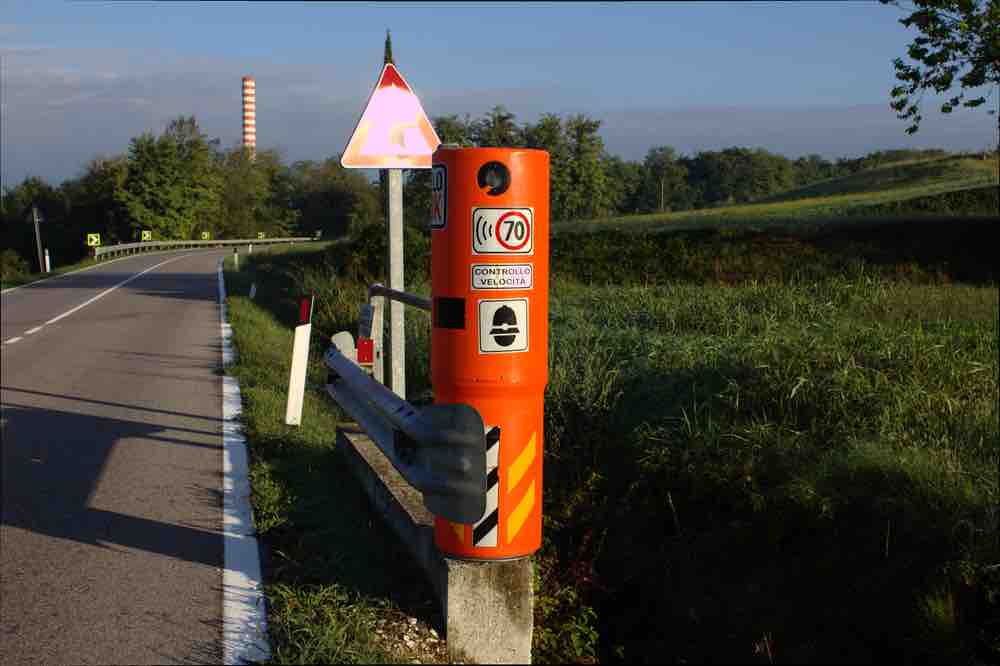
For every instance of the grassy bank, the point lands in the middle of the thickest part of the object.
(340, 588)
(860, 195)
(759, 445)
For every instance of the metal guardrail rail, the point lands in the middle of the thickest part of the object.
(379, 289)
(146, 246)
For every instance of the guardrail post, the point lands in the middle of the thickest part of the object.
(378, 305)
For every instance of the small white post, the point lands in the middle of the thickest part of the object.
(236, 259)
(297, 377)
(48, 264)
(250, 248)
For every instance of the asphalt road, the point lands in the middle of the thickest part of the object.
(110, 544)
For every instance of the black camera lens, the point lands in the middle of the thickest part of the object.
(495, 176)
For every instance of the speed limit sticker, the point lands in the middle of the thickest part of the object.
(503, 231)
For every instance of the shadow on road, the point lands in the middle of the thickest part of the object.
(53, 461)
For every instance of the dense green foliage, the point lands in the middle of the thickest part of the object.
(181, 183)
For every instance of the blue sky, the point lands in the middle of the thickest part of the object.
(82, 78)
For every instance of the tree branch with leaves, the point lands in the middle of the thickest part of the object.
(958, 44)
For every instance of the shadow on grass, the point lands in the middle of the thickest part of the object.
(927, 249)
(332, 535)
(716, 545)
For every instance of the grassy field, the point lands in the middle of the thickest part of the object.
(9, 278)
(821, 202)
(781, 444)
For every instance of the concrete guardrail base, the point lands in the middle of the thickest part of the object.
(488, 606)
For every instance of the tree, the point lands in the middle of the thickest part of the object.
(497, 130)
(664, 184)
(243, 195)
(548, 134)
(958, 38)
(586, 188)
(624, 184)
(174, 182)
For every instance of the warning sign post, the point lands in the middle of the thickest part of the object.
(393, 133)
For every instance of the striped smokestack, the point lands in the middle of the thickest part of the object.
(250, 115)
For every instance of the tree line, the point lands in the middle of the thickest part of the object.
(182, 183)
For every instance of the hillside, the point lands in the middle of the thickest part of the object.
(835, 198)
(915, 178)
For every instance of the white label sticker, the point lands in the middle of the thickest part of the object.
(502, 276)
(439, 196)
(503, 231)
(503, 326)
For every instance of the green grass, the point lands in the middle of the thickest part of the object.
(333, 572)
(781, 442)
(832, 200)
(813, 461)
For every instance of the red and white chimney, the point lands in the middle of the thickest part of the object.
(250, 115)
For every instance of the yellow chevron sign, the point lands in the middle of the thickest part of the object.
(205, 235)
(93, 240)
(147, 235)
(260, 234)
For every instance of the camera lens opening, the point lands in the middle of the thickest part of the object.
(495, 176)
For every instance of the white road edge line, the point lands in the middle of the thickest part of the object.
(80, 270)
(12, 340)
(244, 616)
(33, 330)
(109, 290)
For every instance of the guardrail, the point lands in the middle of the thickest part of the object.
(148, 246)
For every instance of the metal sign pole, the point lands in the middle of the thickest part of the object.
(397, 336)
(38, 240)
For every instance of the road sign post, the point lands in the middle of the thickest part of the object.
(393, 133)
(394, 269)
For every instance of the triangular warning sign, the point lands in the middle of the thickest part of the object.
(393, 132)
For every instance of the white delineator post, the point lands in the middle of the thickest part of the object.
(48, 265)
(250, 115)
(397, 329)
(38, 239)
(297, 376)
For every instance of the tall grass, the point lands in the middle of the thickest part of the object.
(758, 445)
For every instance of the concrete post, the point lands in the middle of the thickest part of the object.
(488, 606)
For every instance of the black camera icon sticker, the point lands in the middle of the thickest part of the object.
(503, 325)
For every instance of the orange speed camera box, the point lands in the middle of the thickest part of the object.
(489, 341)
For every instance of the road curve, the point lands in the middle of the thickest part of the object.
(111, 549)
